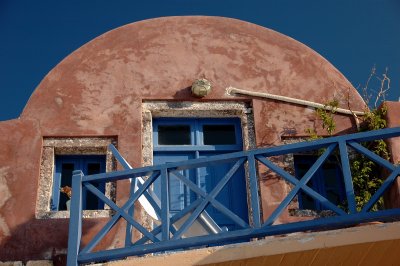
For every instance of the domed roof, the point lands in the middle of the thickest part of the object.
(160, 58)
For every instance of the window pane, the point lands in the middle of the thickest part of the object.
(174, 135)
(66, 174)
(92, 201)
(66, 180)
(93, 168)
(333, 196)
(219, 134)
(308, 202)
(331, 180)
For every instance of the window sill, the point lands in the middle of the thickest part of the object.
(311, 213)
(65, 214)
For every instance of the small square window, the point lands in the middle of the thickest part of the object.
(327, 181)
(219, 134)
(64, 167)
(60, 157)
(174, 135)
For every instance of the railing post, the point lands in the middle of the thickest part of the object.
(254, 199)
(348, 182)
(164, 204)
(129, 227)
(75, 220)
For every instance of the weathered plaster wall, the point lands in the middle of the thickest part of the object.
(393, 120)
(98, 91)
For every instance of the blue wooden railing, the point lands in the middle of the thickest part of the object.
(165, 236)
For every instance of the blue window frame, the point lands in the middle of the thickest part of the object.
(197, 134)
(180, 139)
(64, 165)
(327, 181)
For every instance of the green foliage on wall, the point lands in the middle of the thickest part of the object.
(367, 175)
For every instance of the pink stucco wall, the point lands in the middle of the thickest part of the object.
(393, 120)
(98, 90)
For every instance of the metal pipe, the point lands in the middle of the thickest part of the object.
(233, 90)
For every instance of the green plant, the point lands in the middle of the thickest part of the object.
(327, 114)
(366, 174)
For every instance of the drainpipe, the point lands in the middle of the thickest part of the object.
(232, 90)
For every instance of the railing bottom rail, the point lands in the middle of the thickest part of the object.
(330, 223)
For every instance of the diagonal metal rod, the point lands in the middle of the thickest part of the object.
(371, 155)
(303, 182)
(223, 209)
(173, 219)
(288, 177)
(221, 184)
(348, 182)
(122, 211)
(389, 180)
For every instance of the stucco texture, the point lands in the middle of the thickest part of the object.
(98, 90)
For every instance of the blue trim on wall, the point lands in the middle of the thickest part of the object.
(79, 162)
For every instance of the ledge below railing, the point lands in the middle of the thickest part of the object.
(166, 236)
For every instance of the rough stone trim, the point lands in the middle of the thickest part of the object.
(241, 110)
(288, 165)
(71, 146)
(288, 161)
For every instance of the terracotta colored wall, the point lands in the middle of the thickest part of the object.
(98, 91)
(393, 120)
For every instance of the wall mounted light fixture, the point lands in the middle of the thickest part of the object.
(201, 87)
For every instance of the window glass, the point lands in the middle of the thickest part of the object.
(92, 201)
(174, 135)
(327, 181)
(219, 134)
(66, 180)
(307, 201)
(93, 168)
(89, 165)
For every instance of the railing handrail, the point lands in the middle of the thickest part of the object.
(255, 229)
(270, 151)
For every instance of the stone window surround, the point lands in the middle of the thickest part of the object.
(288, 164)
(53, 146)
(187, 109)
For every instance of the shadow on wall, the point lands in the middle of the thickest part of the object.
(44, 239)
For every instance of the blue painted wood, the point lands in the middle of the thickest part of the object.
(325, 224)
(238, 222)
(321, 143)
(101, 234)
(120, 212)
(244, 234)
(76, 162)
(207, 199)
(135, 196)
(119, 157)
(147, 193)
(232, 197)
(318, 197)
(173, 219)
(300, 185)
(384, 187)
(55, 197)
(180, 195)
(348, 183)
(129, 227)
(75, 221)
(193, 148)
(371, 155)
(279, 150)
(321, 182)
(255, 203)
(165, 205)
(204, 177)
(222, 208)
